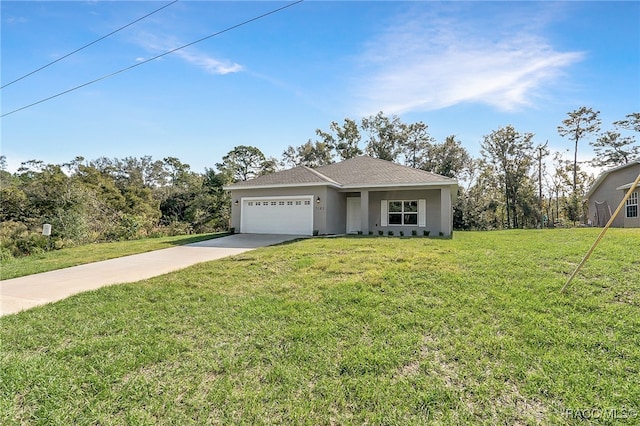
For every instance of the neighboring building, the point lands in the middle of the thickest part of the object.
(608, 191)
(361, 194)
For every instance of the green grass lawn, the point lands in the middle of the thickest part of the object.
(472, 330)
(58, 259)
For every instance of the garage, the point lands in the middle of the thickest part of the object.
(277, 215)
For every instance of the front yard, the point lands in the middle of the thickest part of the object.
(356, 330)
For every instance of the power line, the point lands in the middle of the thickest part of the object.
(154, 58)
(87, 45)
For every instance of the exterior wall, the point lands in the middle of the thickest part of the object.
(607, 192)
(434, 211)
(337, 216)
(319, 210)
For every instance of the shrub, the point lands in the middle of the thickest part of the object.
(16, 240)
(128, 227)
(414, 233)
(5, 254)
(70, 225)
(380, 232)
(177, 228)
(402, 233)
(390, 233)
(426, 233)
(32, 244)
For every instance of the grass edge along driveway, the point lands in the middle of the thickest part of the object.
(80, 255)
(472, 330)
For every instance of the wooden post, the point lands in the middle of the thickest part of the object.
(604, 230)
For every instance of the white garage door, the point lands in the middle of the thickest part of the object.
(291, 215)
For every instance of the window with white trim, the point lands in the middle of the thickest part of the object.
(632, 205)
(403, 212)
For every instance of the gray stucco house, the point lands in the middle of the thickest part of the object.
(607, 192)
(362, 194)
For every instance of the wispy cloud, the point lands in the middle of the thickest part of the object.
(190, 54)
(10, 20)
(428, 61)
(208, 63)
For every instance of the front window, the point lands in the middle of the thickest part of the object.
(632, 205)
(403, 212)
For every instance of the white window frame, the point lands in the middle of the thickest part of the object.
(421, 213)
(632, 201)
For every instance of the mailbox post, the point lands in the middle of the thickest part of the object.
(46, 231)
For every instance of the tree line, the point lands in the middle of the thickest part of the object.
(106, 200)
(515, 183)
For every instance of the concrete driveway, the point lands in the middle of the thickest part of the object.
(22, 293)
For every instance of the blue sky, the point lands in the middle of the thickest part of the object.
(463, 68)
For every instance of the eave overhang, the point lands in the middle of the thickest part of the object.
(625, 187)
(348, 188)
(279, 185)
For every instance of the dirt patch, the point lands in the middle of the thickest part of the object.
(508, 398)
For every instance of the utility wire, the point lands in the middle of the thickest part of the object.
(87, 45)
(154, 58)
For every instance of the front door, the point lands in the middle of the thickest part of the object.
(353, 215)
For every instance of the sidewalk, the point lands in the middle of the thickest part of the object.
(22, 293)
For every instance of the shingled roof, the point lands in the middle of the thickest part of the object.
(298, 176)
(367, 171)
(352, 173)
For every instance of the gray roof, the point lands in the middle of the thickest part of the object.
(353, 173)
(297, 176)
(367, 171)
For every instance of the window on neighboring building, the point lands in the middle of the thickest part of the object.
(632, 205)
(403, 212)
